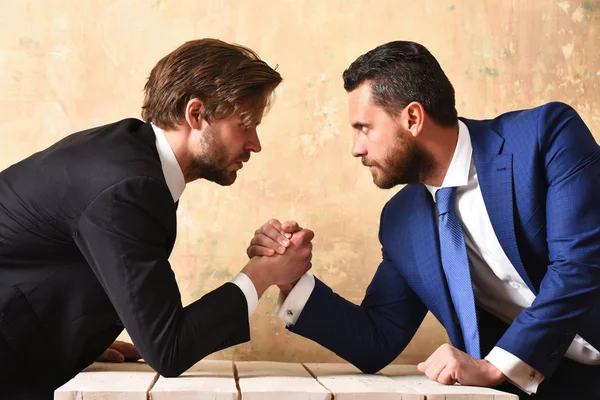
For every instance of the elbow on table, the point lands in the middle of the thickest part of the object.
(168, 366)
(371, 365)
(169, 371)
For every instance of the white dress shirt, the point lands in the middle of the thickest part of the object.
(176, 183)
(497, 286)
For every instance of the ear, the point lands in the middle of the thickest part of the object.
(413, 118)
(194, 114)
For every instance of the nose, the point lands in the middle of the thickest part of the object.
(253, 143)
(359, 148)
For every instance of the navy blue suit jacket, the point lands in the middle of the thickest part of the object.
(539, 173)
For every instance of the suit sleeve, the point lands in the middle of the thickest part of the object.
(123, 236)
(371, 335)
(570, 289)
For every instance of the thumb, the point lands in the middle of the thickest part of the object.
(290, 227)
(111, 355)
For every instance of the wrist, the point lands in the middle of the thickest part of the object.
(286, 289)
(258, 274)
(496, 376)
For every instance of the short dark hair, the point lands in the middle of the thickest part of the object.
(401, 72)
(227, 78)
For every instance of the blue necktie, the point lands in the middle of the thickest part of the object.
(456, 268)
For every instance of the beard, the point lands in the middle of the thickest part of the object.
(407, 162)
(214, 159)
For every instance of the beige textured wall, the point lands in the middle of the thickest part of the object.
(70, 65)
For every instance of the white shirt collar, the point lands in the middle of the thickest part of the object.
(170, 166)
(458, 171)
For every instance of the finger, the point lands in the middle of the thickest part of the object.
(435, 369)
(254, 251)
(273, 233)
(290, 227)
(305, 235)
(266, 241)
(425, 364)
(119, 345)
(274, 222)
(128, 350)
(447, 376)
(112, 355)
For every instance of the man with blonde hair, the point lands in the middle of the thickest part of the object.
(87, 226)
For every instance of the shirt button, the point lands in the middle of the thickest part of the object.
(289, 312)
(515, 285)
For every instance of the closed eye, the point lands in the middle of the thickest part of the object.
(360, 127)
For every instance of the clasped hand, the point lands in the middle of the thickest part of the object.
(284, 250)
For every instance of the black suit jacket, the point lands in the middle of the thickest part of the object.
(86, 229)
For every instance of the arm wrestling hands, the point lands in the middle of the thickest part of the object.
(273, 240)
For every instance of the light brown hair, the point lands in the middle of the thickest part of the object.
(227, 78)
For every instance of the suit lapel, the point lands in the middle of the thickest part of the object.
(495, 173)
(423, 227)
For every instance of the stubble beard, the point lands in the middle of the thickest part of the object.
(406, 163)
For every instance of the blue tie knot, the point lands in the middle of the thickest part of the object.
(445, 199)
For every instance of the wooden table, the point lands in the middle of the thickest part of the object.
(226, 380)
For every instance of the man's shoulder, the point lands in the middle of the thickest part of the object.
(532, 116)
(129, 133)
(124, 151)
(85, 163)
(125, 125)
(522, 129)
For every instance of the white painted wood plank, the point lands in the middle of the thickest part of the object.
(278, 381)
(346, 382)
(405, 375)
(109, 381)
(207, 380)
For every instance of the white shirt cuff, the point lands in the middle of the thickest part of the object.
(247, 287)
(290, 308)
(518, 372)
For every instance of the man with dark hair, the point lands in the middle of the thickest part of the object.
(496, 233)
(87, 226)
